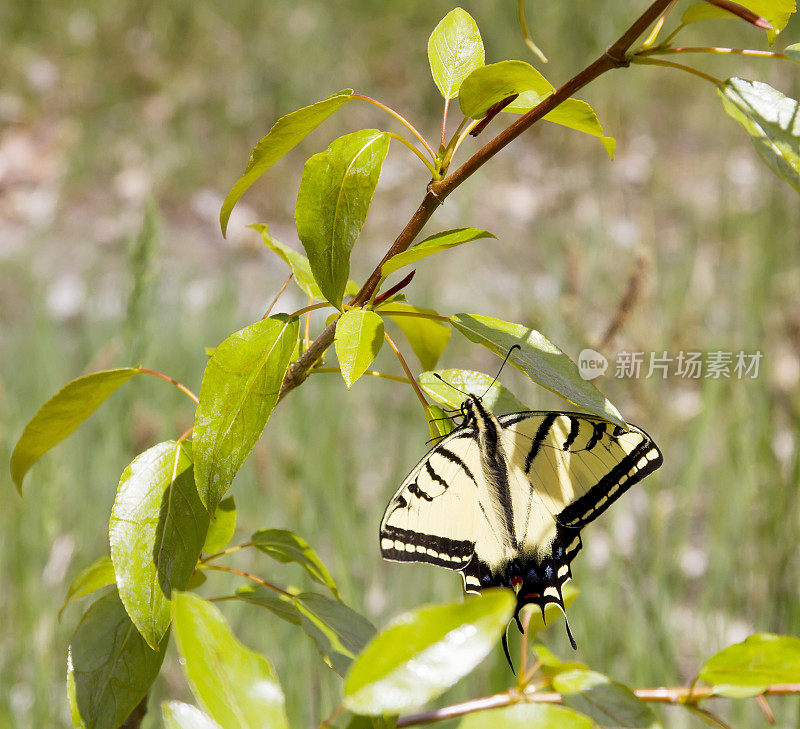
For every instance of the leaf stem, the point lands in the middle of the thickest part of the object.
(526, 33)
(229, 550)
(310, 307)
(400, 138)
(420, 314)
(411, 380)
(718, 49)
(374, 373)
(185, 390)
(659, 24)
(234, 571)
(407, 124)
(278, 296)
(444, 118)
(647, 61)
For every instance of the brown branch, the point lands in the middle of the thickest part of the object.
(662, 695)
(614, 57)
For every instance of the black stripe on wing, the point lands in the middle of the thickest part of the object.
(404, 545)
(641, 461)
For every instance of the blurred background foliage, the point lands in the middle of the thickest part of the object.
(112, 109)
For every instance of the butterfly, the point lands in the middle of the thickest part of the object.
(502, 500)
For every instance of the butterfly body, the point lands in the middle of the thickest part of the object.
(502, 499)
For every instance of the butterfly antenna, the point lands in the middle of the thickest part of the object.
(507, 652)
(516, 346)
(449, 384)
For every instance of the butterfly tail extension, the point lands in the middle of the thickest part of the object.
(505, 647)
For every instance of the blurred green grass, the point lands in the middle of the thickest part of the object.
(118, 102)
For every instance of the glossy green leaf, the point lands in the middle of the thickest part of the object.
(240, 388)
(793, 51)
(527, 716)
(285, 134)
(110, 667)
(62, 414)
(424, 652)
(158, 525)
(332, 204)
(771, 119)
(551, 663)
(488, 85)
(572, 113)
(761, 660)
(439, 423)
(237, 687)
(97, 575)
(539, 359)
(178, 715)
(496, 397)
(221, 527)
(286, 547)
(455, 49)
(358, 339)
(428, 337)
(609, 703)
(339, 632)
(433, 244)
(702, 11)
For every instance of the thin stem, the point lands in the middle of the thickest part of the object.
(718, 49)
(333, 716)
(310, 307)
(470, 125)
(229, 550)
(407, 124)
(186, 433)
(662, 695)
(278, 296)
(523, 661)
(234, 571)
(526, 33)
(420, 314)
(400, 138)
(411, 379)
(374, 373)
(646, 61)
(444, 119)
(185, 390)
(675, 32)
(658, 26)
(307, 328)
(615, 57)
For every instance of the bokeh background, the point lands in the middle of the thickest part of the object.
(122, 126)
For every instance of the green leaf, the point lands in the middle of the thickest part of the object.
(551, 663)
(236, 686)
(761, 660)
(358, 339)
(700, 12)
(240, 388)
(455, 49)
(339, 632)
(286, 546)
(777, 12)
(496, 397)
(488, 85)
(97, 575)
(158, 525)
(271, 600)
(424, 652)
(572, 113)
(771, 119)
(607, 702)
(285, 134)
(527, 716)
(439, 424)
(332, 204)
(433, 244)
(539, 359)
(221, 527)
(178, 715)
(62, 414)
(427, 337)
(109, 666)
(793, 51)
